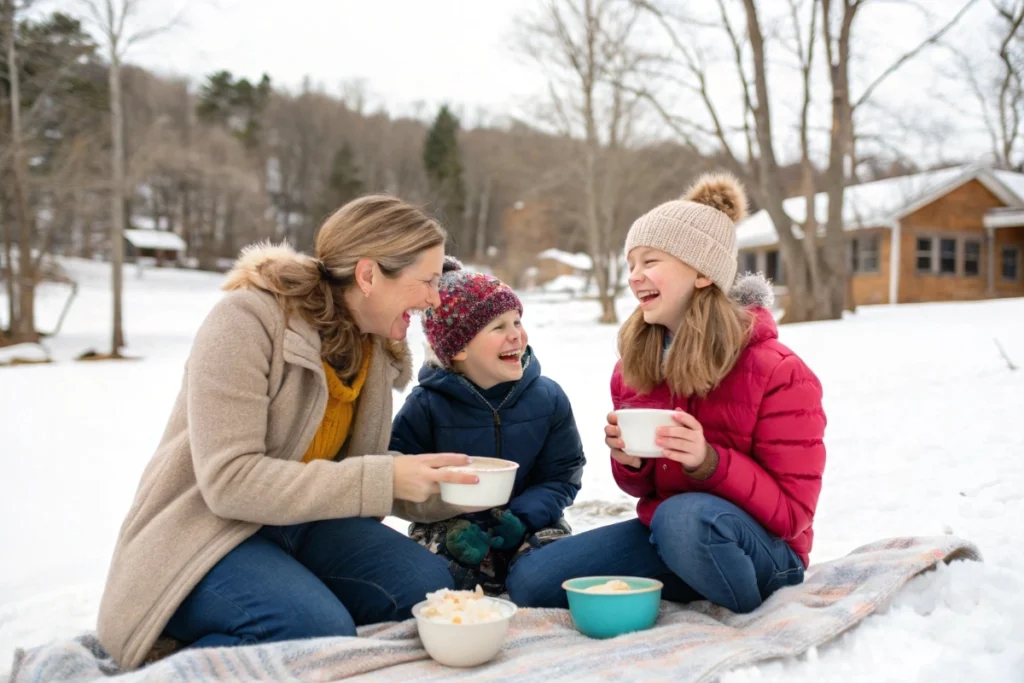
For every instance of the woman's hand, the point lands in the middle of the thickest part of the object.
(613, 439)
(685, 442)
(418, 477)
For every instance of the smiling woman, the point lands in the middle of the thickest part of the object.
(257, 518)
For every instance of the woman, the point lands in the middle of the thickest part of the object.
(257, 519)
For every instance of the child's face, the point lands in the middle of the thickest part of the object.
(663, 285)
(495, 354)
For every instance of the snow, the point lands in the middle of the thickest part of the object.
(923, 438)
(874, 204)
(32, 353)
(155, 239)
(578, 261)
(1013, 181)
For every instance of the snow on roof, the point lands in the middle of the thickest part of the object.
(1014, 182)
(577, 261)
(155, 239)
(878, 203)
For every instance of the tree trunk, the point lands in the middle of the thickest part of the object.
(8, 225)
(23, 328)
(836, 278)
(117, 200)
(482, 218)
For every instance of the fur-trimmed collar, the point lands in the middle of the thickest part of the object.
(246, 273)
(753, 289)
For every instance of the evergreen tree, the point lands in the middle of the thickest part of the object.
(237, 104)
(443, 164)
(344, 183)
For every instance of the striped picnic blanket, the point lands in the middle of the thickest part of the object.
(695, 642)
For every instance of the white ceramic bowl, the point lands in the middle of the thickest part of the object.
(497, 477)
(638, 427)
(464, 645)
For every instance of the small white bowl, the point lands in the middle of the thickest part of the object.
(639, 427)
(464, 645)
(497, 477)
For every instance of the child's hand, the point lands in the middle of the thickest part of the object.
(685, 443)
(613, 439)
(467, 543)
(508, 532)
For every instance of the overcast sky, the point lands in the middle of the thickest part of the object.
(460, 51)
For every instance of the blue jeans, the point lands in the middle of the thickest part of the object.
(699, 545)
(307, 581)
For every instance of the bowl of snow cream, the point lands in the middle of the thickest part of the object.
(608, 606)
(462, 628)
(639, 428)
(494, 488)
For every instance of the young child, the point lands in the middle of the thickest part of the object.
(726, 515)
(483, 394)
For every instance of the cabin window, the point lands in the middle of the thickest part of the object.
(947, 256)
(1011, 263)
(773, 267)
(972, 258)
(924, 254)
(864, 254)
(748, 262)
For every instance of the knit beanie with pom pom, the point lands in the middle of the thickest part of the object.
(469, 301)
(699, 228)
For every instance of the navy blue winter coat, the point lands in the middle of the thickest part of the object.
(529, 421)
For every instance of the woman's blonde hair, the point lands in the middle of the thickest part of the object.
(704, 349)
(385, 229)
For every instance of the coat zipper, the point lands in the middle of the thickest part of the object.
(497, 433)
(494, 411)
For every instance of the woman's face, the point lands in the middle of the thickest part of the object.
(388, 303)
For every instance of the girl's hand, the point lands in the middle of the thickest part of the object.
(685, 442)
(613, 439)
(418, 477)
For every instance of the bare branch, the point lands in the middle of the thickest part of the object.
(906, 57)
(1002, 352)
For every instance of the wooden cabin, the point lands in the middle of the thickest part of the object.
(949, 235)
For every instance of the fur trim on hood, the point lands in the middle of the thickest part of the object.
(246, 274)
(753, 289)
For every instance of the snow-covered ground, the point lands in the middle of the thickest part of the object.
(925, 437)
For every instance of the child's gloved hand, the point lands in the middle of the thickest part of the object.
(466, 542)
(508, 532)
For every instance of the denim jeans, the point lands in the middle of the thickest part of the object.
(699, 545)
(306, 581)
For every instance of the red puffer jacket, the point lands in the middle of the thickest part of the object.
(766, 422)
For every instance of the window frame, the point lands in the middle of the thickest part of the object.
(963, 256)
(934, 254)
(856, 251)
(1003, 249)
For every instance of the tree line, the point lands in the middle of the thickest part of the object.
(90, 144)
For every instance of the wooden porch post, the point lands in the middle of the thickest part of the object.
(990, 237)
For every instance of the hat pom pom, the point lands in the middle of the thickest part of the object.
(720, 191)
(451, 263)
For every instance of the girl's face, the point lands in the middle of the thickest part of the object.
(663, 285)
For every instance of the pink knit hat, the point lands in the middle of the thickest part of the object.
(468, 302)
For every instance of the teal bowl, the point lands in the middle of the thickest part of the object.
(606, 615)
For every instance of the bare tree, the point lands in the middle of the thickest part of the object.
(814, 255)
(994, 79)
(586, 48)
(113, 19)
(22, 321)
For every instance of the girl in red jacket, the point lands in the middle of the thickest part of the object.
(725, 515)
